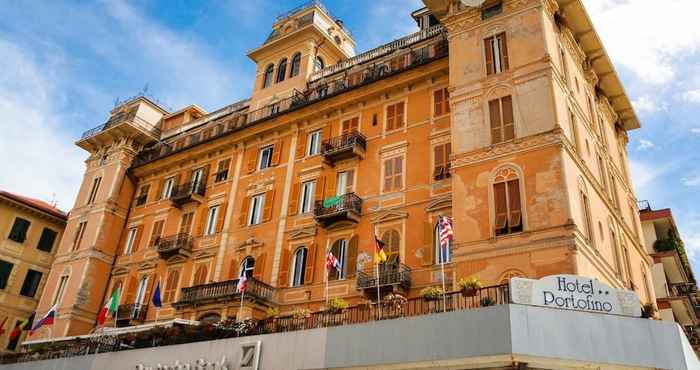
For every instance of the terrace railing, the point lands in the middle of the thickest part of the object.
(224, 290)
(120, 118)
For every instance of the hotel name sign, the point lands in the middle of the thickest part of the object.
(575, 293)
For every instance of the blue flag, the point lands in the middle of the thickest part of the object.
(156, 296)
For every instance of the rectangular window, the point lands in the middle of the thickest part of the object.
(602, 174)
(79, 235)
(492, 11)
(441, 102)
(31, 283)
(564, 66)
(171, 285)
(143, 195)
(19, 229)
(496, 49)
(265, 157)
(95, 187)
(502, 121)
(256, 209)
(574, 132)
(58, 297)
(616, 253)
(130, 239)
(186, 223)
(350, 125)
(222, 170)
(314, 141)
(157, 232)
(12, 344)
(393, 174)
(588, 228)
(441, 157)
(345, 182)
(613, 191)
(5, 271)
(395, 116)
(306, 203)
(48, 237)
(168, 187)
(508, 208)
(603, 135)
(211, 221)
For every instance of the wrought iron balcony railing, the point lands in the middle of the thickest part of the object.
(119, 118)
(188, 191)
(174, 244)
(344, 146)
(389, 275)
(345, 207)
(224, 291)
(132, 312)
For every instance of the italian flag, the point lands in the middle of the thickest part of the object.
(109, 307)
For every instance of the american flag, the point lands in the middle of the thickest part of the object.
(446, 233)
(332, 262)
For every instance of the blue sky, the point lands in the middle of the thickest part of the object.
(64, 64)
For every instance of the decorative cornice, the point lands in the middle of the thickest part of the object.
(390, 215)
(302, 233)
(553, 137)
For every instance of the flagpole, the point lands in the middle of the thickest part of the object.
(327, 272)
(240, 309)
(379, 297)
(443, 257)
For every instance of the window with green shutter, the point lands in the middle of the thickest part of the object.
(19, 230)
(48, 237)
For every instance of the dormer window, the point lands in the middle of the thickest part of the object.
(267, 79)
(318, 64)
(281, 70)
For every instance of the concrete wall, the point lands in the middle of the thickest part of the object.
(490, 336)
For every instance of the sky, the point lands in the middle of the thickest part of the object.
(64, 64)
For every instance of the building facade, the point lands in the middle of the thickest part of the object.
(673, 278)
(31, 230)
(509, 118)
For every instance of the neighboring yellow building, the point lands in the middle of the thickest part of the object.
(30, 231)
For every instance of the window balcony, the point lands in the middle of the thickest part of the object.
(131, 314)
(346, 207)
(352, 145)
(188, 192)
(225, 291)
(180, 244)
(391, 279)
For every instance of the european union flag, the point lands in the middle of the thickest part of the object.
(156, 296)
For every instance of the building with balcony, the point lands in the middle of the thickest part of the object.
(509, 118)
(31, 229)
(674, 282)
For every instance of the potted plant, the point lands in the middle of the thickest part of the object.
(487, 301)
(431, 293)
(648, 310)
(469, 286)
(336, 305)
(299, 316)
(272, 312)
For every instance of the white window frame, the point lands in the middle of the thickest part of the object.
(342, 257)
(299, 267)
(314, 146)
(306, 197)
(245, 266)
(130, 238)
(264, 162)
(141, 290)
(197, 177)
(62, 283)
(257, 204)
(342, 182)
(211, 220)
(168, 187)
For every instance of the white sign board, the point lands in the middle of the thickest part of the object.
(576, 293)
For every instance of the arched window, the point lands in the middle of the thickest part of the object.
(507, 202)
(267, 78)
(318, 64)
(340, 251)
(296, 65)
(442, 255)
(299, 267)
(200, 276)
(392, 241)
(281, 70)
(247, 267)
(171, 285)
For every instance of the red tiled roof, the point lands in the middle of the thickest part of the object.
(35, 203)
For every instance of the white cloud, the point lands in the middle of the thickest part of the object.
(640, 38)
(645, 104)
(695, 130)
(645, 144)
(692, 96)
(40, 158)
(691, 181)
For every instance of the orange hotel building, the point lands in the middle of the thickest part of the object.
(508, 117)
